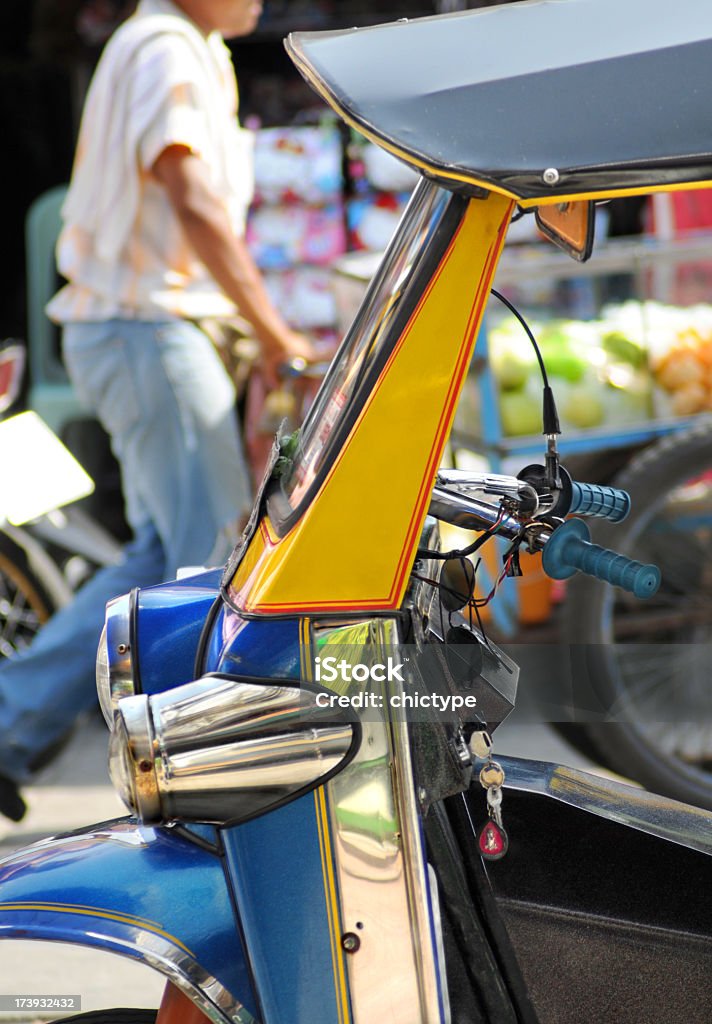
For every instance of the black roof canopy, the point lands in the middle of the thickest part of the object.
(610, 94)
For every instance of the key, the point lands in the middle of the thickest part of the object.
(494, 804)
(492, 839)
(480, 744)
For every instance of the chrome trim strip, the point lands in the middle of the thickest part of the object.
(215, 1001)
(636, 808)
(417, 879)
(118, 640)
(380, 864)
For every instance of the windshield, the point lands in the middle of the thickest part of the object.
(368, 340)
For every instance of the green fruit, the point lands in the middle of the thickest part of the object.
(511, 371)
(520, 413)
(583, 408)
(621, 349)
(566, 365)
(562, 360)
(553, 333)
(512, 360)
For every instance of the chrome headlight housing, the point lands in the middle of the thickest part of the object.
(222, 749)
(114, 658)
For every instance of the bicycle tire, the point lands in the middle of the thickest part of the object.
(645, 661)
(25, 603)
(600, 467)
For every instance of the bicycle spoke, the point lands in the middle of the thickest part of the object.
(19, 621)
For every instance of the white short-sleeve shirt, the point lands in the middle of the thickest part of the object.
(155, 273)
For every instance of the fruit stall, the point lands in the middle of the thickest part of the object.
(626, 339)
(627, 342)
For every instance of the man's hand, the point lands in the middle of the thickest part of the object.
(205, 221)
(296, 346)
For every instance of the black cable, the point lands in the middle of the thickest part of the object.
(467, 568)
(550, 418)
(445, 556)
(515, 312)
(472, 604)
(480, 623)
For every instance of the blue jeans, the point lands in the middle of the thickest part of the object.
(163, 396)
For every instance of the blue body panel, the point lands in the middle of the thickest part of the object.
(253, 647)
(169, 626)
(279, 876)
(170, 623)
(135, 891)
(279, 866)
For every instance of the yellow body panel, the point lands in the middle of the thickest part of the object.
(354, 546)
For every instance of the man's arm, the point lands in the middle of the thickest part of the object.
(205, 223)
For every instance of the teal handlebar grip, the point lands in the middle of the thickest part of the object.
(596, 500)
(569, 549)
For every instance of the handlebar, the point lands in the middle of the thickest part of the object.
(569, 548)
(470, 513)
(528, 491)
(572, 496)
(566, 549)
(597, 500)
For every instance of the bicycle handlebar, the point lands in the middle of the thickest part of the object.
(569, 549)
(566, 550)
(596, 500)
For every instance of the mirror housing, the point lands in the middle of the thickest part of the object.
(570, 226)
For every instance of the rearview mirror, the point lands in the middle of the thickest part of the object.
(570, 226)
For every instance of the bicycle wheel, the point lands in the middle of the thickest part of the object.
(25, 604)
(647, 663)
